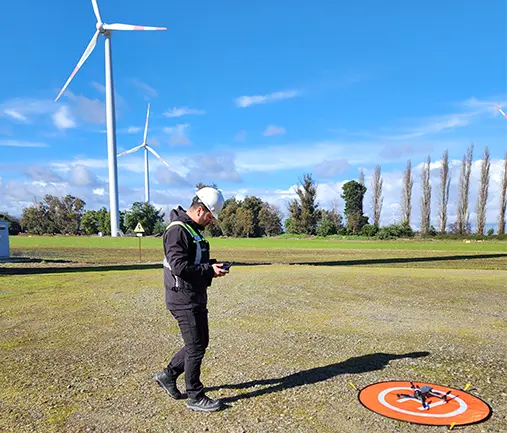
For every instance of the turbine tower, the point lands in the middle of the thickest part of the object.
(146, 166)
(107, 30)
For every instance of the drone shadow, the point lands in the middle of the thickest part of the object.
(355, 365)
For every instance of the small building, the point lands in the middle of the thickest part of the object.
(4, 240)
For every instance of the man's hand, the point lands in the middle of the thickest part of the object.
(219, 272)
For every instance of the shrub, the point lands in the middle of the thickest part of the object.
(394, 231)
(14, 225)
(369, 230)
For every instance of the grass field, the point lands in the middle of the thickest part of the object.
(84, 330)
(23, 242)
(94, 251)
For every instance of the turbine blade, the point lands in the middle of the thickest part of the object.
(146, 125)
(83, 58)
(157, 155)
(130, 151)
(501, 111)
(130, 27)
(96, 10)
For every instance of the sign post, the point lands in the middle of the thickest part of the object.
(139, 232)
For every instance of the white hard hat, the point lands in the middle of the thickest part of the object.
(212, 199)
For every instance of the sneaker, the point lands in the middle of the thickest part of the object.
(168, 384)
(204, 403)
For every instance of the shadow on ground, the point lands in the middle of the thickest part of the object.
(401, 260)
(359, 364)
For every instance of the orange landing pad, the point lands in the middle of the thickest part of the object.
(461, 408)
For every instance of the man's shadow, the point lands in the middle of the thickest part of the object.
(358, 364)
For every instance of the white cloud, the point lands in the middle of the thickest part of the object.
(89, 110)
(100, 87)
(62, 115)
(169, 177)
(72, 174)
(436, 125)
(179, 140)
(15, 115)
(273, 130)
(99, 191)
(178, 134)
(63, 118)
(148, 90)
(67, 166)
(23, 109)
(246, 101)
(393, 151)
(18, 143)
(129, 130)
(176, 130)
(301, 156)
(331, 168)
(118, 99)
(182, 111)
(486, 105)
(471, 110)
(42, 174)
(82, 176)
(16, 195)
(212, 168)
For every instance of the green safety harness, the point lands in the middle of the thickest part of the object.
(198, 238)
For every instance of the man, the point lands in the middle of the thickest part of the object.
(188, 272)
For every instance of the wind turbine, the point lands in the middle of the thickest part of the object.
(106, 30)
(146, 149)
(394, 219)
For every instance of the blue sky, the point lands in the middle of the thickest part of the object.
(252, 96)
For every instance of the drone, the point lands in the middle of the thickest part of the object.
(423, 393)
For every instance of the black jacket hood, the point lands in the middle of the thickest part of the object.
(180, 214)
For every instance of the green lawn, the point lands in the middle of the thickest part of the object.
(76, 251)
(20, 242)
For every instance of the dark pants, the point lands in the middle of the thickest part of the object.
(194, 330)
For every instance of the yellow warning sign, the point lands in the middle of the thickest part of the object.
(139, 228)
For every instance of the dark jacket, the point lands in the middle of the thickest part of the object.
(185, 281)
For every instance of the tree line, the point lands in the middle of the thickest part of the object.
(462, 225)
(306, 218)
(250, 217)
(253, 217)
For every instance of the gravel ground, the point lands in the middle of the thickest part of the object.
(78, 350)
